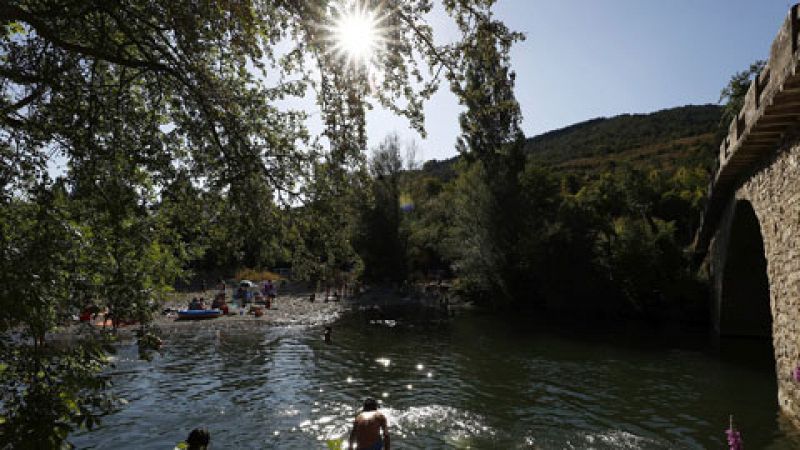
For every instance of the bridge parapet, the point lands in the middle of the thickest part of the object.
(771, 108)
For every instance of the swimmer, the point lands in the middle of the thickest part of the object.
(367, 429)
(198, 439)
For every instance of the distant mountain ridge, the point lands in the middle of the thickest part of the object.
(654, 140)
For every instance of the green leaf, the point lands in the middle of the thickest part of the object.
(16, 28)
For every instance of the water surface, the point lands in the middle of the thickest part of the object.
(473, 382)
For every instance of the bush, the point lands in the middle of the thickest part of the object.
(256, 275)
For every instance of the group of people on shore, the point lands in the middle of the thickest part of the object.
(267, 294)
(243, 294)
(198, 303)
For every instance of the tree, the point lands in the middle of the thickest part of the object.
(491, 146)
(732, 95)
(381, 242)
(45, 390)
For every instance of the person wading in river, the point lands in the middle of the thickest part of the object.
(198, 439)
(367, 429)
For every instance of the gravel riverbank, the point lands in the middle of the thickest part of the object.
(290, 308)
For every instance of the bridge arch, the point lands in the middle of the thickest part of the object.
(744, 297)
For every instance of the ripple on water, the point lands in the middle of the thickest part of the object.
(454, 424)
(610, 440)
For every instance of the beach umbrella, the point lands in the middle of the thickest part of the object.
(246, 283)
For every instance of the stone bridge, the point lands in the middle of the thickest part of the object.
(750, 234)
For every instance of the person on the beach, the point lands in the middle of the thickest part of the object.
(327, 335)
(267, 287)
(367, 429)
(219, 303)
(198, 439)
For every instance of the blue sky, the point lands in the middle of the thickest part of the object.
(589, 58)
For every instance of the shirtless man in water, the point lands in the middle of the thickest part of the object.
(367, 429)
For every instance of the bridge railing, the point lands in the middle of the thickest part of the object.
(765, 85)
(771, 106)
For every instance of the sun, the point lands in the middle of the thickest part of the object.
(357, 33)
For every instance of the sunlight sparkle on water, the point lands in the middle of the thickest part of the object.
(384, 361)
(420, 367)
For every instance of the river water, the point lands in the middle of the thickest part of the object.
(472, 382)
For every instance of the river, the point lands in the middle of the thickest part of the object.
(473, 382)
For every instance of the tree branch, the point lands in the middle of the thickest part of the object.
(24, 101)
(9, 12)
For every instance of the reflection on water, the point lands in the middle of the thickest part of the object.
(475, 382)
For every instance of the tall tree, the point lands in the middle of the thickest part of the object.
(380, 242)
(491, 145)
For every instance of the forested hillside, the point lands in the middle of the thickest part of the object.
(658, 140)
(663, 139)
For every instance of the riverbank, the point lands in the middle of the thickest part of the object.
(293, 307)
(376, 305)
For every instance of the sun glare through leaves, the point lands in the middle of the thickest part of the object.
(357, 32)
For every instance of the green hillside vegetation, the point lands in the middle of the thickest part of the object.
(664, 155)
(663, 139)
(685, 131)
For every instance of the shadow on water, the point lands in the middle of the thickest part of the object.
(473, 381)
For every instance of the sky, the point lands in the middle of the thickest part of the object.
(592, 58)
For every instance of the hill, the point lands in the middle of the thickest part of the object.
(686, 135)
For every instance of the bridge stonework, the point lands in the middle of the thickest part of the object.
(750, 233)
(773, 192)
